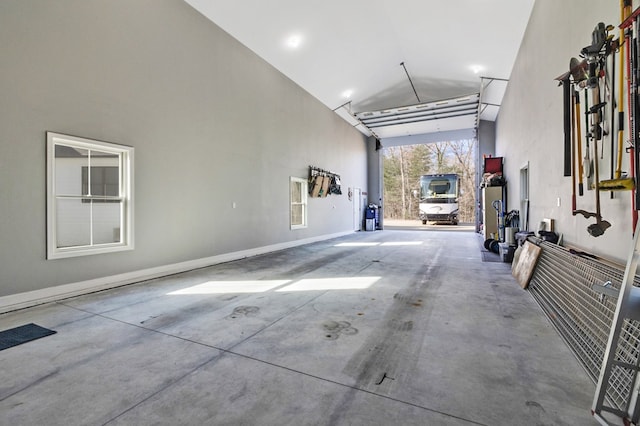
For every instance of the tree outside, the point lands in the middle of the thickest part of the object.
(403, 166)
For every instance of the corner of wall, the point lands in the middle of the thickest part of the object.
(374, 170)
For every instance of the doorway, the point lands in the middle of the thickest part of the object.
(356, 199)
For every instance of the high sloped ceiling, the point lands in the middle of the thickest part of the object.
(364, 57)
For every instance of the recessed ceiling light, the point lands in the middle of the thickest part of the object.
(347, 93)
(476, 68)
(294, 41)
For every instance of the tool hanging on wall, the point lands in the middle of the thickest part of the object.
(587, 163)
(617, 182)
(573, 148)
(596, 59)
(630, 25)
(612, 102)
(625, 6)
(603, 86)
(566, 107)
(579, 143)
(575, 76)
(323, 183)
(598, 228)
(579, 75)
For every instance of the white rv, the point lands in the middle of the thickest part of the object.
(439, 198)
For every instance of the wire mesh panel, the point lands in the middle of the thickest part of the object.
(562, 285)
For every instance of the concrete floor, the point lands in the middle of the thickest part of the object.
(394, 327)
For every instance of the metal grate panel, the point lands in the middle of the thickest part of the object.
(562, 286)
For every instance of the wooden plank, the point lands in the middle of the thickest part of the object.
(325, 186)
(317, 185)
(522, 270)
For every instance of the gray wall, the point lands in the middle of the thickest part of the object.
(486, 147)
(375, 182)
(529, 128)
(211, 123)
(486, 141)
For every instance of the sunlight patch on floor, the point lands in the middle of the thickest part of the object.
(222, 287)
(339, 283)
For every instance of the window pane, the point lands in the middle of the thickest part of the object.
(68, 165)
(105, 181)
(105, 173)
(106, 222)
(297, 214)
(111, 181)
(73, 227)
(296, 192)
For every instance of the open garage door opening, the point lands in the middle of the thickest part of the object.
(432, 183)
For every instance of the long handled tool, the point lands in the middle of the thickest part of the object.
(612, 96)
(618, 175)
(630, 50)
(576, 76)
(566, 107)
(631, 41)
(579, 75)
(587, 164)
(579, 143)
(598, 228)
(623, 15)
(573, 145)
(635, 110)
(617, 182)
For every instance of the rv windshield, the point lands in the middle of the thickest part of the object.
(439, 189)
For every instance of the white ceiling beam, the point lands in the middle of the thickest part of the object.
(451, 135)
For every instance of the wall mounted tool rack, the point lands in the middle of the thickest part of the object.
(323, 182)
(609, 65)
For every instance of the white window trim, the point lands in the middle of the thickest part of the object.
(127, 234)
(305, 190)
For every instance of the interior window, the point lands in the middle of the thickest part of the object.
(298, 189)
(89, 196)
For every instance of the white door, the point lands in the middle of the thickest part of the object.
(357, 209)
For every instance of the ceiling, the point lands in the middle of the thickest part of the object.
(392, 69)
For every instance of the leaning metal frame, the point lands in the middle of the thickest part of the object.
(562, 284)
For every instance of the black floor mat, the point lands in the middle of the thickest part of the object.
(23, 334)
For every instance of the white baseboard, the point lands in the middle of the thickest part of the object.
(51, 294)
